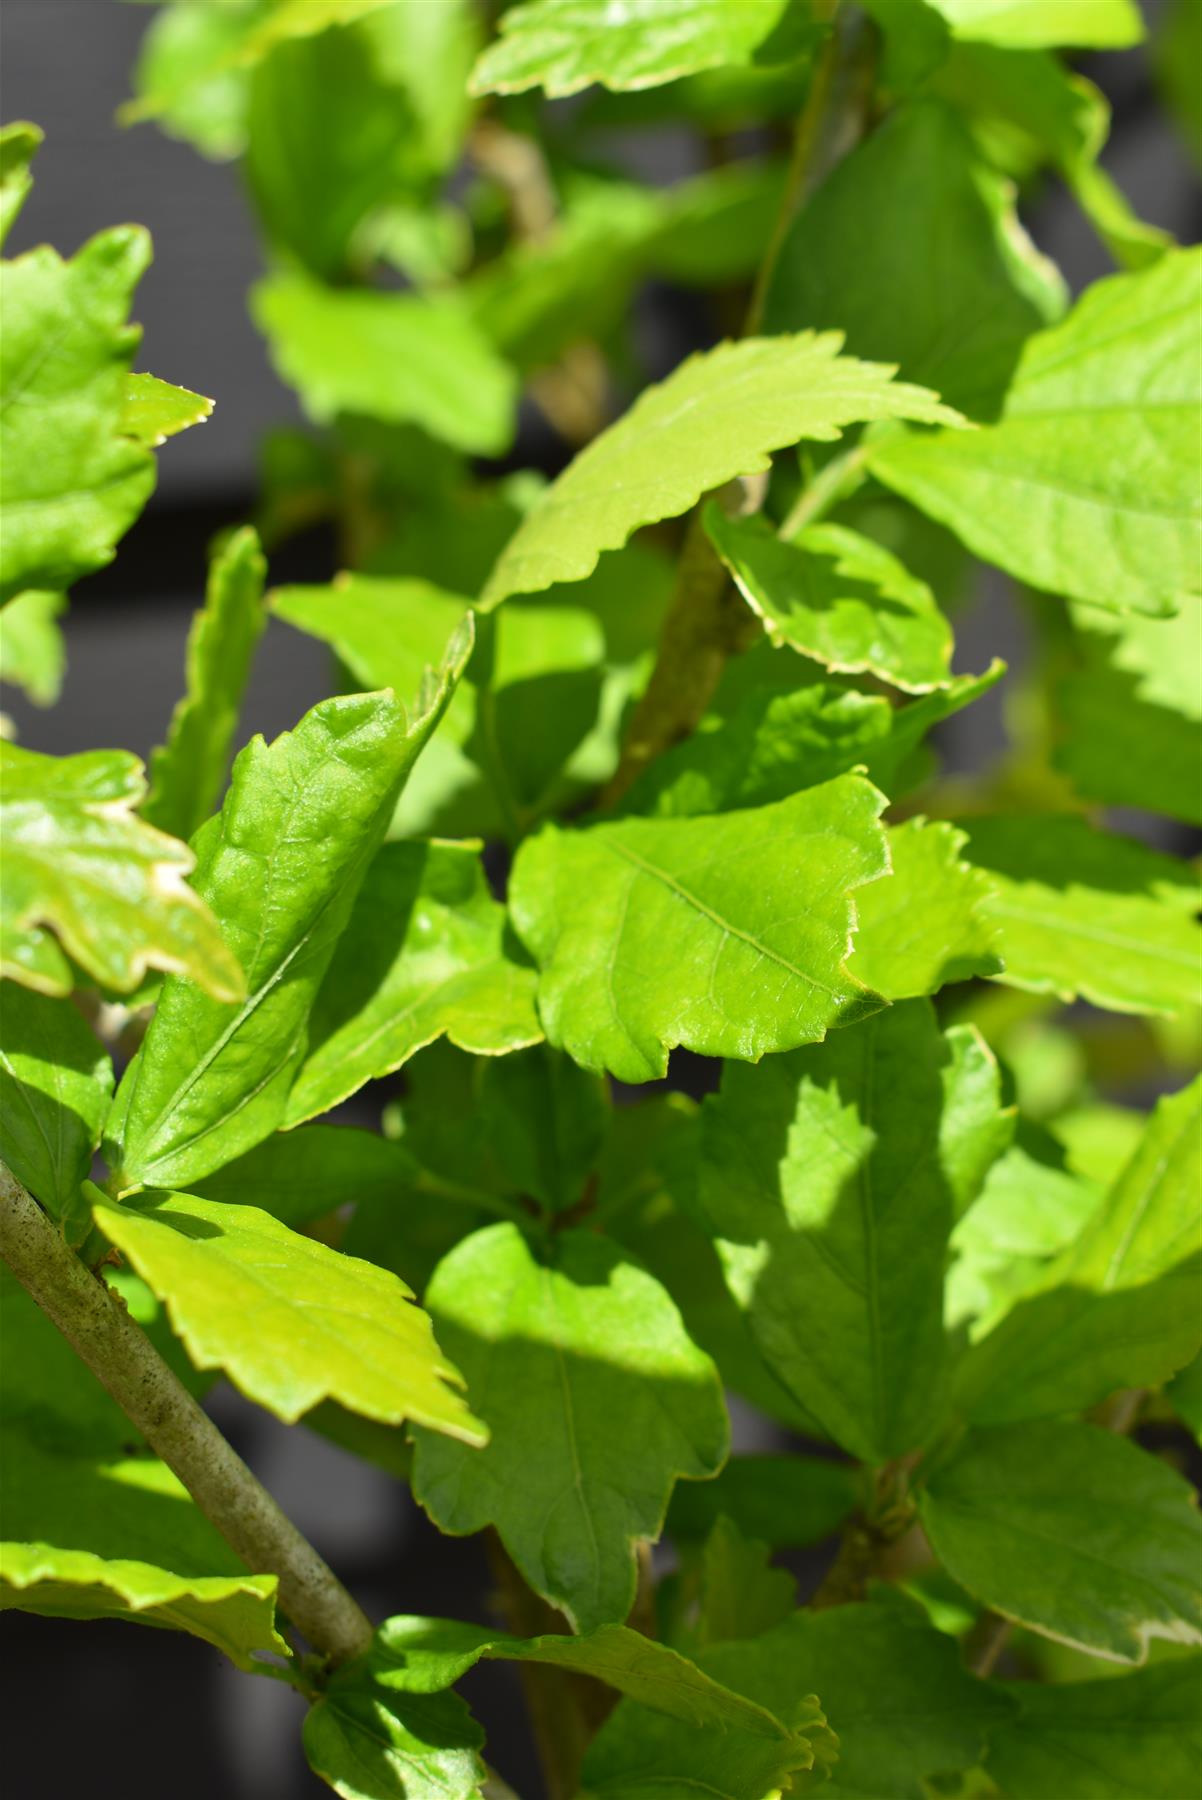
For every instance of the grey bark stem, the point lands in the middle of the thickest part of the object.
(121, 1356)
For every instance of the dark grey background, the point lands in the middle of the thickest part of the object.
(108, 1709)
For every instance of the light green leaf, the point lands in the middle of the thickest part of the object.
(73, 481)
(832, 1177)
(79, 861)
(720, 414)
(404, 358)
(55, 1083)
(290, 1321)
(424, 954)
(752, 969)
(370, 1744)
(299, 1176)
(1135, 1737)
(1054, 492)
(281, 864)
(111, 1537)
(185, 78)
(785, 1500)
(893, 1690)
(565, 45)
(154, 410)
(954, 286)
(33, 655)
(1073, 1532)
(925, 924)
(188, 772)
(1119, 1306)
(1086, 913)
(838, 598)
(19, 144)
(1030, 24)
(596, 1403)
(306, 18)
(1149, 674)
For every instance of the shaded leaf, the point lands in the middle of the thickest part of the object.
(1053, 493)
(741, 1594)
(55, 1083)
(926, 923)
(785, 1500)
(79, 861)
(372, 1745)
(188, 772)
(290, 1321)
(1073, 1532)
(299, 1176)
(720, 414)
(832, 1177)
(596, 1403)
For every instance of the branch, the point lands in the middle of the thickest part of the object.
(123, 1359)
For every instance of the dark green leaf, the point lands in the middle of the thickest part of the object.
(55, 1083)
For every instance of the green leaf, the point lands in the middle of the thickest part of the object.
(1028, 24)
(404, 358)
(154, 410)
(720, 414)
(741, 1594)
(949, 292)
(423, 954)
(1184, 1394)
(596, 1403)
(751, 971)
(1149, 674)
(371, 1744)
(837, 598)
(1052, 492)
(832, 1177)
(79, 861)
(188, 772)
(1085, 913)
(281, 864)
(33, 655)
(299, 1176)
(19, 144)
(73, 480)
(1177, 47)
(893, 1690)
(113, 1537)
(545, 1119)
(186, 80)
(1118, 1307)
(1134, 1737)
(784, 1500)
(291, 1321)
(565, 45)
(55, 1083)
(926, 923)
(1073, 1532)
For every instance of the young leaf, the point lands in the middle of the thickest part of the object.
(838, 598)
(19, 144)
(423, 954)
(33, 655)
(1051, 493)
(1079, 912)
(1117, 1308)
(926, 923)
(565, 45)
(291, 1321)
(1135, 1735)
(105, 1537)
(1073, 1532)
(187, 773)
(281, 864)
(78, 860)
(894, 1691)
(949, 292)
(1027, 24)
(155, 410)
(832, 1177)
(405, 358)
(73, 481)
(752, 970)
(720, 414)
(299, 1176)
(741, 1594)
(596, 1403)
(55, 1083)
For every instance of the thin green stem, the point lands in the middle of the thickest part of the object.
(121, 1356)
(841, 476)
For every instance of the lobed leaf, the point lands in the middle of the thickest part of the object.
(290, 1321)
(80, 864)
(926, 923)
